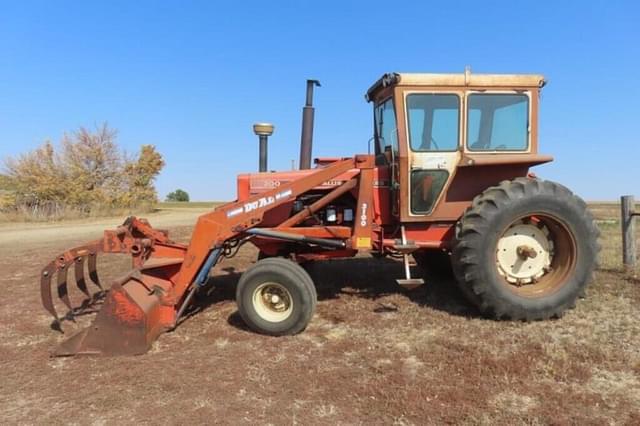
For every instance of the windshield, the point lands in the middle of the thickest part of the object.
(385, 127)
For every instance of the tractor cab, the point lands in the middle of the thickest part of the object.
(447, 137)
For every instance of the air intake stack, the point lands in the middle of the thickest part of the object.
(263, 130)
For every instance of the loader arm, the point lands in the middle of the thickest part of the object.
(232, 219)
(152, 296)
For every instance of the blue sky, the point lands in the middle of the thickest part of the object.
(192, 76)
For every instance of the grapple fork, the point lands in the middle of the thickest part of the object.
(60, 266)
(135, 308)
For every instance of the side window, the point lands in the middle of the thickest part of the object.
(498, 122)
(433, 121)
(386, 129)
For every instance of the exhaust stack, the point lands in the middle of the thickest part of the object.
(306, 140)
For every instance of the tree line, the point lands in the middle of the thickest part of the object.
(85, 173)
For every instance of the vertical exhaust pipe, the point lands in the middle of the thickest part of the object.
(306, 140)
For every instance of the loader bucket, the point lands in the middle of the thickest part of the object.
(130, 319)
(133, 312)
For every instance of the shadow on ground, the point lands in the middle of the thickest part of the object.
(368, 278)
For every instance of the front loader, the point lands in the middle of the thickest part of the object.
(448, 187)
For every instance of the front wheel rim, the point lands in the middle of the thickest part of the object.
(272, 302)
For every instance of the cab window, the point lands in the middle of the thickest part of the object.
(498, 122)
(385, 127)
(433, 121)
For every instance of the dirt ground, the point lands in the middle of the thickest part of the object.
(373, 353)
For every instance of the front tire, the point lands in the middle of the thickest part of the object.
(526, 250)
(276, 297)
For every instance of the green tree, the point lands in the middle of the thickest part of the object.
(178, 195)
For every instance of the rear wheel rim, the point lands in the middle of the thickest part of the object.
(272, 302)
(535, 255)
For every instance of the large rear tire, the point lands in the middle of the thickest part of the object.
(525, 250)
(276, 297)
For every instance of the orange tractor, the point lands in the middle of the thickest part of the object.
(448, 184)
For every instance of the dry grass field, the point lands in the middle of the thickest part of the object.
(373, 353)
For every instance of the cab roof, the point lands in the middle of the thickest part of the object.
(455, 80)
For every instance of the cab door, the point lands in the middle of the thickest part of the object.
(433, 136)
(387, 148)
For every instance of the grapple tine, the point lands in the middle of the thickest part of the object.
(93, 272)
(63, 291)
(79, 275)
(45, 293)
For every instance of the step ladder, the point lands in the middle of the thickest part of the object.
(406, 249)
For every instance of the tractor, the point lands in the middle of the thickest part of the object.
(447, 185)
